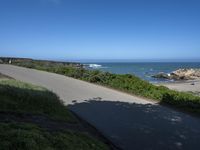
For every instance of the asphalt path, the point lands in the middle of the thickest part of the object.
(130, 122)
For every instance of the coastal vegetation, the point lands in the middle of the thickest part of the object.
(33, 118)
(128, 83)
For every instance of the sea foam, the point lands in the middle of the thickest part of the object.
(95, 66)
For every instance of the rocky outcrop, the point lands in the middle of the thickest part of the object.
(161, 75)
(187, 74)
(180, 74)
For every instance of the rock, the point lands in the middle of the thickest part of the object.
(180, 74)
(187, 74)
(162, 75)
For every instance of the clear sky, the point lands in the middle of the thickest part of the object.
(100, 29)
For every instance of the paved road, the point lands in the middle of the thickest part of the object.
(130, 122)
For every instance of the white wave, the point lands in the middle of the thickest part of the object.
(95, 66)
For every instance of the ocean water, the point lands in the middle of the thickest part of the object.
(143, 70)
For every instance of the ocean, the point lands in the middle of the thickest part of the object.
(143, 70)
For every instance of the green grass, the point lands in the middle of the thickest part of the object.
(26, 136)
(128, 83)
(21, 98)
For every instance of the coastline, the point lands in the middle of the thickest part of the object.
(113, 110)
(131, 84)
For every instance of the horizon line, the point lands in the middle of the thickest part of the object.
(111, 60)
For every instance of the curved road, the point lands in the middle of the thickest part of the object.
(130, 122)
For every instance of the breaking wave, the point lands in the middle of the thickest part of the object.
(94, 66)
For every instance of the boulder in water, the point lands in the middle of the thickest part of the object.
(162, 75)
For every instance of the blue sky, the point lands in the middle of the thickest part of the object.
(100, 29)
